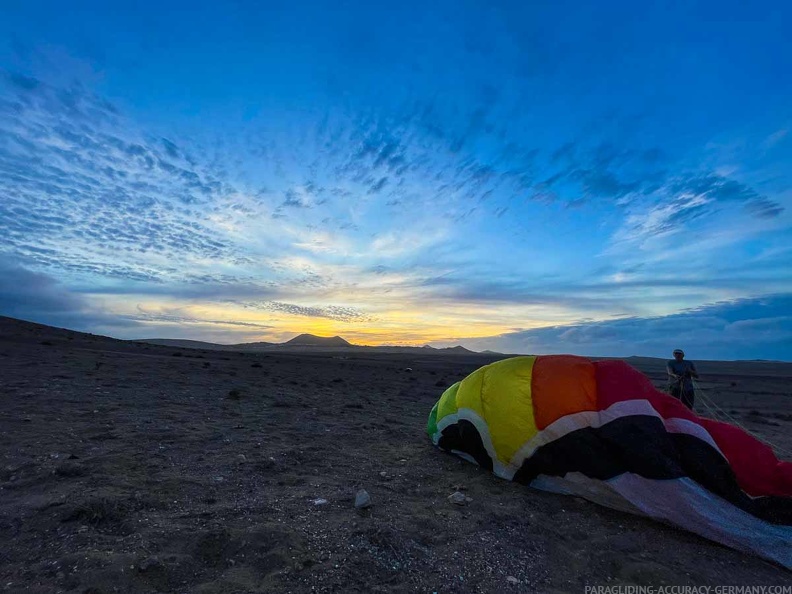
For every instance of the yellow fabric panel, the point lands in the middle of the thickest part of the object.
(469, 393)
(507, 404)
(448, 404)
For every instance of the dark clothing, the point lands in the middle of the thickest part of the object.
(684, 368)
(686, 396)
(681, 387)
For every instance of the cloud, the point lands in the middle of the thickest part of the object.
(26, 83)
(581, 172)
(666, 218)
(718, 189)
(641, 182)
(764, 208)
(332, 312)
(775, 138)
(83, 191)
(378, 186)
(294, 200)
(522, 292)
(37, 297)
(758, 328)
(708, 198)
(206, 287)
(177, 316)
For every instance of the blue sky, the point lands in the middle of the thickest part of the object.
(608, 178)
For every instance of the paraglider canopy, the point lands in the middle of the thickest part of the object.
(602, 431)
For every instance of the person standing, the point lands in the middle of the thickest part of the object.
(680, 378)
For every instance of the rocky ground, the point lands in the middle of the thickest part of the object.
(128, 467)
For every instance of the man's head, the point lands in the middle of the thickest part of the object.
(679, 354)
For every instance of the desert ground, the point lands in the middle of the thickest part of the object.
(130, 467)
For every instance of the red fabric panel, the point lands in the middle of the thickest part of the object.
(757, 469)
(618, 381)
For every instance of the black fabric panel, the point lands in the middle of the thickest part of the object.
(464, 437)
(636, 443)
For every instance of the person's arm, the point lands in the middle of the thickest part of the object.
(693, 371)
(670, 372)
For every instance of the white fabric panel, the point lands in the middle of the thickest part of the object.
(683, 503)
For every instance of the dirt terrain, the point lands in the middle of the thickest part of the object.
(129, 467)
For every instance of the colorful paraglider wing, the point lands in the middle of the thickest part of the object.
(602, 431)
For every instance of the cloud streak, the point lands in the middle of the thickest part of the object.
(331, 312)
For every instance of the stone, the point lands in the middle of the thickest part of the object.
(458, 498)
(362, 499)
(149, 564)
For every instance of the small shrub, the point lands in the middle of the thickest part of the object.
(69, 470)
(105, 514)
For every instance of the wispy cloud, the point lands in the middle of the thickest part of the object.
(75, 174)
(692, 208)
(332, 312)
(776, 138)
(179, 317)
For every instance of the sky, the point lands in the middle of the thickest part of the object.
(597, 178)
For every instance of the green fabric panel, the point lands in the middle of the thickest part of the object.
(431, 425)
(447, 405)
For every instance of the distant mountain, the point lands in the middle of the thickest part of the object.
(253, 345)
(458, 349)
(186, 344)
(308, 341)
(312, 340)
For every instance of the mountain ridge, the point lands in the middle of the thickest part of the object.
(306, 341)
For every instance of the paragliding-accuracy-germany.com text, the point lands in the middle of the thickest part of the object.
(688, 590)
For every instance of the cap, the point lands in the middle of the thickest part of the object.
(679, 351)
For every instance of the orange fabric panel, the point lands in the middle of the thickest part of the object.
(562, 385)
